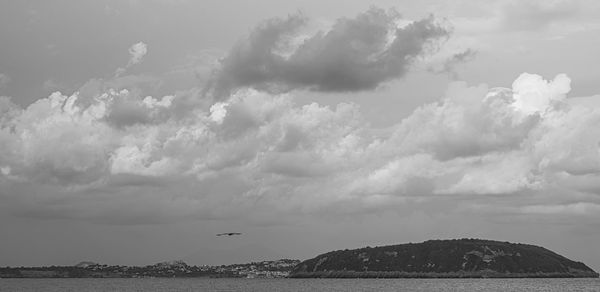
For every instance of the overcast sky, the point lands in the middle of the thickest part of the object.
(132, 132)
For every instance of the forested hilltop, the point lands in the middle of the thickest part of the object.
(443, 259)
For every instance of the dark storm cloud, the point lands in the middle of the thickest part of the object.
(355, 54)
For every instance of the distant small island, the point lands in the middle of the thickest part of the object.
(458, 258)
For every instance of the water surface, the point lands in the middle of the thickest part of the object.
(229, 284)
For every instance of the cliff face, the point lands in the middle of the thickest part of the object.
(444, 258)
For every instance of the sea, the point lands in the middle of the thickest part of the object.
(237, 284)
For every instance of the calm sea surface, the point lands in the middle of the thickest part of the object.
(205, 284)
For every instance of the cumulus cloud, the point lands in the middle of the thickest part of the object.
(353, 54)
(120, 157)
(112, 155)
(137, 52)
(64, 146)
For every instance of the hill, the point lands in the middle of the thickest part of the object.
(458, 258)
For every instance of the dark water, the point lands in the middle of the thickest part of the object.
(202, 284)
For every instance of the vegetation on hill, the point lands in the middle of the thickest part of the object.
(444, 258)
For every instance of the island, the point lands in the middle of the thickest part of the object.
(456, 258)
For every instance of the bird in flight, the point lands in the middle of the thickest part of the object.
(229, 234)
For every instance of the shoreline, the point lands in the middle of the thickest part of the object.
(433, 275)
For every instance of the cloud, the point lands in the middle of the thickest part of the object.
(8, 111)
(352, 55)
(122, 158)
(137, 52)
(534, 94)
(112, 155)
(447, 64)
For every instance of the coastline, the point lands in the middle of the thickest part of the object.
(459, 274)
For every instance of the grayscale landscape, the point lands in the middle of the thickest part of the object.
(268, 145)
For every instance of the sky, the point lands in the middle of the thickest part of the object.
(132, 132)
